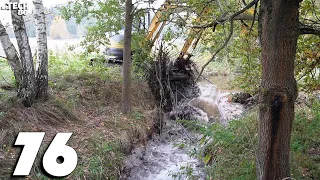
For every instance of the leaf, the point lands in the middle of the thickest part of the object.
(207, 158)
(202, 140)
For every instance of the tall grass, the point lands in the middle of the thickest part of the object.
(230, 151)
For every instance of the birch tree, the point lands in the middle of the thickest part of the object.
(11, 54)
(32, 84)
(42, 51)
(27, 87)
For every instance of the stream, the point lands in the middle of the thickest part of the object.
(167, 156)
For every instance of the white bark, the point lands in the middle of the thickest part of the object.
(42, 50)
(27, 90)
(11, 54)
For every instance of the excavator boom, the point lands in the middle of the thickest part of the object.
(158, 22)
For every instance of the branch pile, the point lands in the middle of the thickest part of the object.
(169, 83)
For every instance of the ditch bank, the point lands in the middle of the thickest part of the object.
(168, 154)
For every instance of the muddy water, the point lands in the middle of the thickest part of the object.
(162, 158)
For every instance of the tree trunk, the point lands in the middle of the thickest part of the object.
(27, 88)
(42, 52)
(11, 54)
(126, 84)
(278, 31)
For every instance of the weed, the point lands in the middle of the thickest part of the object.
(229, 151)
(92, 93)
(104, 161)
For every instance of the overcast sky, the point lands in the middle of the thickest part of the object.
(5, 15)
(47, 3)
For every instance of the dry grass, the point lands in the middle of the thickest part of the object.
(88, 107)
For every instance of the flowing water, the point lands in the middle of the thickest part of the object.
(166, 156)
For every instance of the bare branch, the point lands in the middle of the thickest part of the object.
(3, 57)
(307, 29)
(231, 19)
(240, 17)
(218, 50)
(254, 16)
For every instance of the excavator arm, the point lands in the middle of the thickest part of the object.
(157, 24)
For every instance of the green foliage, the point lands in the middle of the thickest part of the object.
(246, 60)
(141, 54)
(305, 143)
(77, 66)
(184, 171)
(107, 17)
(243, 51)
(308, 62)
(229, 151)
(103, 164)
(68, 72)
(7, 98)
(101, 160)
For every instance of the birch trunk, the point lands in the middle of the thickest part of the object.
(42, 51)
(11, 55)
(27, 88)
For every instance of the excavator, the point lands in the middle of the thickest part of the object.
(115, 50)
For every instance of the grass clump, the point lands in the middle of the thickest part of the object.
(230, 151)
(84, 100)
(101, 160)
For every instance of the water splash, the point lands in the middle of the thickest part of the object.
(160, 158)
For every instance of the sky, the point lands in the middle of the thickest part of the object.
(47, 3)
(5, 15)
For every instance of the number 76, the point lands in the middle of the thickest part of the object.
(57, 149)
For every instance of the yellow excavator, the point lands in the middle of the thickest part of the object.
(115, 50)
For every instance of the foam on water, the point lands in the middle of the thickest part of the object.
(161, 158)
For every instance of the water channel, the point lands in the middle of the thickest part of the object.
(164, 157)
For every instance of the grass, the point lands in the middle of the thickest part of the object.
(84, 100)
(230, 151)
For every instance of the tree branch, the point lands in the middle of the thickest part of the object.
(231, 19)
(307, 29)
(222, 20)
(3, 57)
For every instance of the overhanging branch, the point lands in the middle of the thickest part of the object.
(307, 29)
(231, 19)
(241, 17)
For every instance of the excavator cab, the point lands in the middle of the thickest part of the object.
(114, 51)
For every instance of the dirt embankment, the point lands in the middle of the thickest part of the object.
(89, 108)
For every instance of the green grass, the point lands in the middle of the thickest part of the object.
(104, 163)
(230, 151)
(6, 74)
